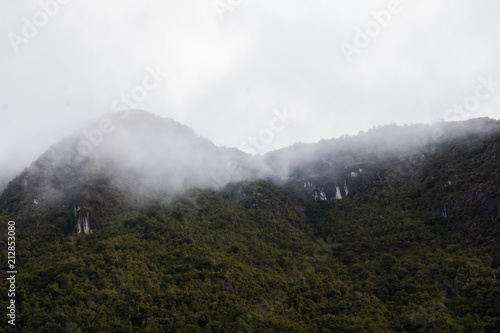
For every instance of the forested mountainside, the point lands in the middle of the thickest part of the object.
(393, 230)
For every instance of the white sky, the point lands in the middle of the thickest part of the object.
(228, 76)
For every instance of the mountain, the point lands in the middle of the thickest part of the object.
(392, 156)
(136, 224)
(115, 162)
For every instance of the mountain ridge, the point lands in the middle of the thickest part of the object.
(348, 235)
(145, 158)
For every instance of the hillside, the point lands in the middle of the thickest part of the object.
(84, 179)
(393, 230)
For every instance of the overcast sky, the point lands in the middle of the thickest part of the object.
(339, 67)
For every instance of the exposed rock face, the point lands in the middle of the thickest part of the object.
(86, 222)
(336, 182)
(338, 195)
(318, 193)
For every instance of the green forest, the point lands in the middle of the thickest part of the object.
(260, 256)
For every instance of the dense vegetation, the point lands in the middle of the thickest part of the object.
(405, 253)
(263, 262)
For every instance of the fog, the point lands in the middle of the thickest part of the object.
(136, 155)
(140, 155)
(256, 75)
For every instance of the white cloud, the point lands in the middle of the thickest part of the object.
(227, 75)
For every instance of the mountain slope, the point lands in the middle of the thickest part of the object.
(460, 164)
(412, 246)
(92, 175)
(257, 258)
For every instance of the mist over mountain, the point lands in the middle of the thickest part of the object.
(250, 166)
(402, 150)
(135, 223)
(144, 153)
(139, 157)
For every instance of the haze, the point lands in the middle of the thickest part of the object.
(231, 69)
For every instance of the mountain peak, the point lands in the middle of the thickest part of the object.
(122, 157)
(137, 156)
